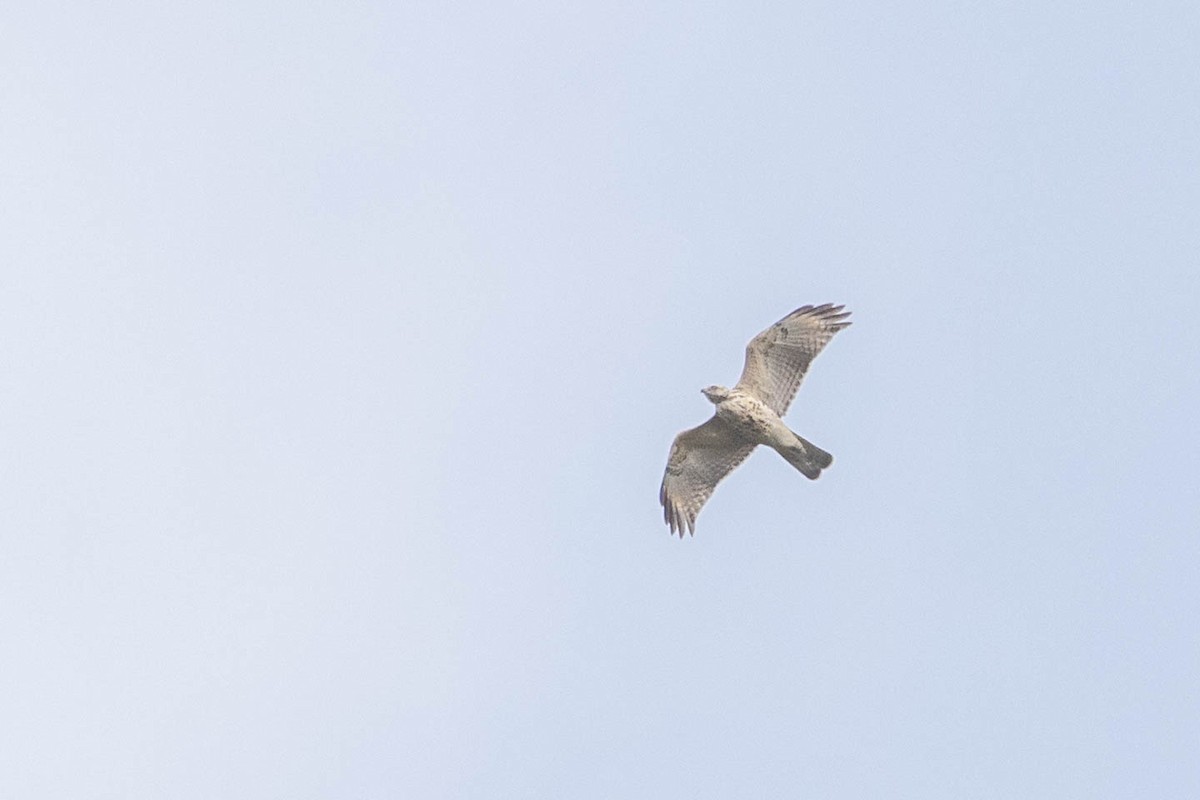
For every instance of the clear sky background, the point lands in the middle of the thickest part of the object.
(342, 346)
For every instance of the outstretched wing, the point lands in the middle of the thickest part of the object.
(699, 459)
(777, 358)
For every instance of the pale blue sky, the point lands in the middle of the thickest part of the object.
(343, 346)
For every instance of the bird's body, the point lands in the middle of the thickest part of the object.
(752, 420)
(749, 414)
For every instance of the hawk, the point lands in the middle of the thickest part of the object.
(749, 415)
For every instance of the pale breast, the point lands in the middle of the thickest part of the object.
(749, 416)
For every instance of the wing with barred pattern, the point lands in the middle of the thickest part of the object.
(777, 358)
(699, 459)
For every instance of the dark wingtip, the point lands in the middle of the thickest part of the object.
(830, 311)
(833, 314)
(678, 522)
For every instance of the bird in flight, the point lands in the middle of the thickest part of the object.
(749, 415)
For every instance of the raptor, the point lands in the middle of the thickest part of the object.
(750, 414)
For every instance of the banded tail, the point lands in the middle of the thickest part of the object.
(806, 457)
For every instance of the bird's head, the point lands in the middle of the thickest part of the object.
(715, 394)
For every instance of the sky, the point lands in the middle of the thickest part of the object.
(343, 345)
